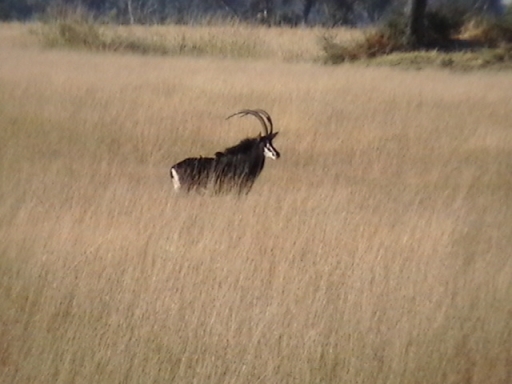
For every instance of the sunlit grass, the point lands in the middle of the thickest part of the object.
(376, 250)
(233, 40)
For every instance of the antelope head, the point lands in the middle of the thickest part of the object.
(268, 131)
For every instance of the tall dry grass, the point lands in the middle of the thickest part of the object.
(235, 40)
(376, 250)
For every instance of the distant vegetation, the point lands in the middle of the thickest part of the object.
(269, 12)
(462, 34)
(473, 43)
(226, 41)
(326, 13)
(451, 39)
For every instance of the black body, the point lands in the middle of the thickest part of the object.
(235, 168)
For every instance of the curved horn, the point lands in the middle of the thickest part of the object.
(254, 113)
(267, 116)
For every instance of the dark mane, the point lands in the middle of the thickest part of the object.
(244, 146)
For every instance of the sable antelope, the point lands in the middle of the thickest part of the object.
(236, 167)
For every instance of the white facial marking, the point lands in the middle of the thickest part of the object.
(175, 179)
(268, 151)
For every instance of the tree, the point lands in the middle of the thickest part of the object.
(416, 23)
(374, 9)
(308, 4)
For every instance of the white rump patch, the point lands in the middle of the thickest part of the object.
(175, 179)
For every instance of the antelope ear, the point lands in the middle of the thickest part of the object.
(274, 134)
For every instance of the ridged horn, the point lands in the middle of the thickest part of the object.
(257, 114)
(267, 116)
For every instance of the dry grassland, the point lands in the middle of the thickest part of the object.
(239, 40)
(376, 250)
(228, 41)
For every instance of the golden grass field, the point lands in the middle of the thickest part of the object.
(376, 250)
(232, 40)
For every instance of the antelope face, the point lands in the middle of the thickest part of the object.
(268, 130)
(268, 148)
